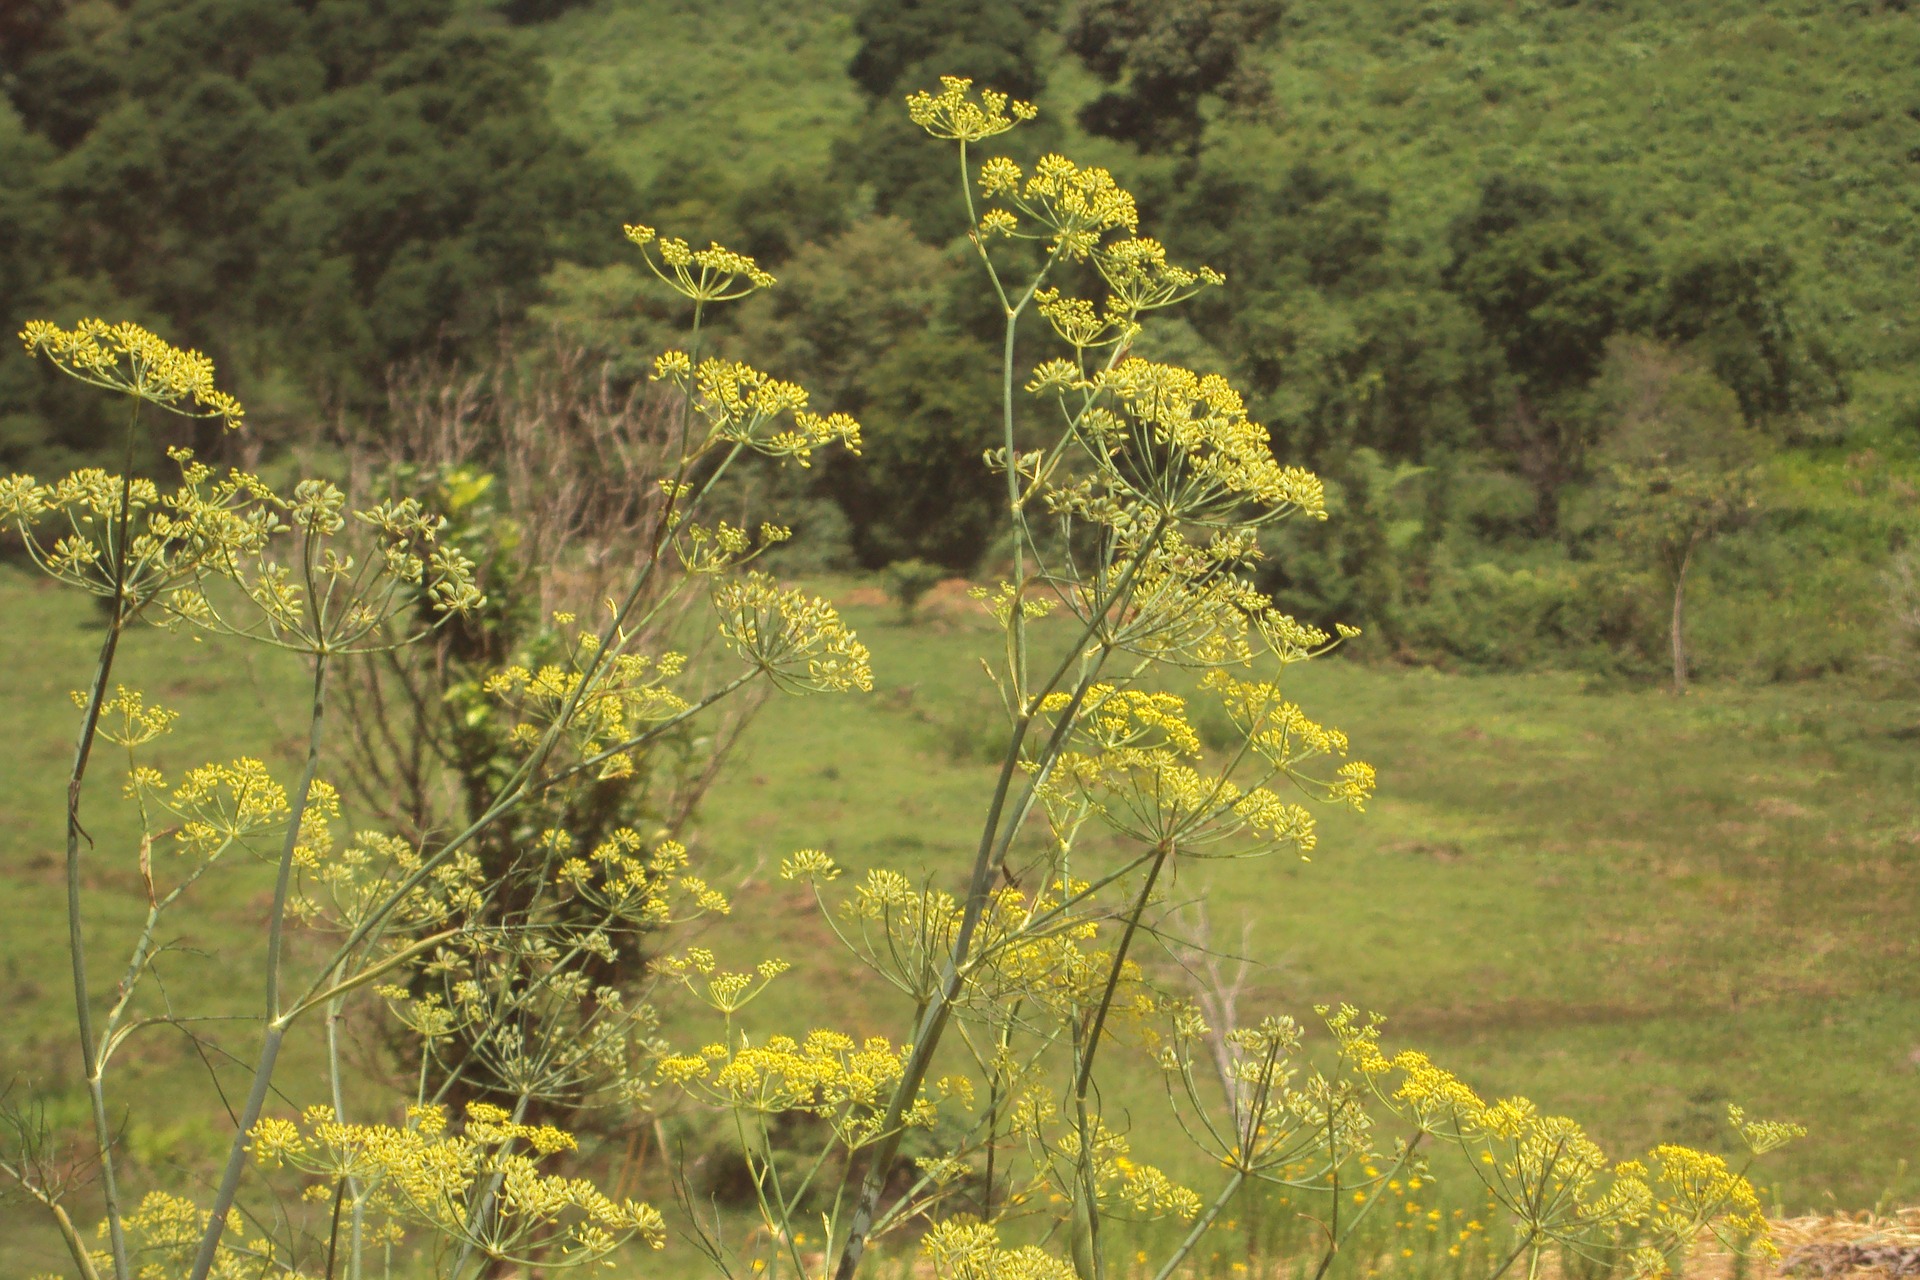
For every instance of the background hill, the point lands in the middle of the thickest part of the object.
(1438, 221)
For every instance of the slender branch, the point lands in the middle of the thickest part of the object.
(276, 1025)
(995, 841)
(76, 941)
(1201, 1226)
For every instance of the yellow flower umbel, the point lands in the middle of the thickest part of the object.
(712, 274)
(480, 1187)
(1182, 443)
(163, 1235)
(957, 114)
(960, 1250)
(743, 407)
(796, 640)
(134, 361)
(119, 536)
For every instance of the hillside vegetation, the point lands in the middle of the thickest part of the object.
(1440, 223)
(1434, 218)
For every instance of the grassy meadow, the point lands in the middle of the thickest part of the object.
(1633, 908)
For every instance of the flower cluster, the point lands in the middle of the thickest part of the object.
(795, 639)
(163, 1238)
(429, 1175)
(962, 1250)
(1553, 1183)
(603, 703)
(745, 408)
(1075, 207)
(705, 275)
(1073, 1157)
(625, 881)
(827, 1074)
(134, 361)
(1181, 443)
(958, 114)
(123, 537)
(127, 719)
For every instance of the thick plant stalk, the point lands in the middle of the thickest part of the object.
(276, 1021)
(996, 838)
(76, 941)
(484, 1209)
(1083, 1079)
(76, 947)
(933, 1022)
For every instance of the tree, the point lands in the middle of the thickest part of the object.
(321, 189)
(909, 580)
(992, 40)
(867, 315)
(1734, 305)
(1552, 277)
(1164, 58)
(907, 45)
(920, 491)
(1344, 341)
(1680, 462)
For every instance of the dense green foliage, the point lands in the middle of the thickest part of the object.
(1433, 218)
(311, 192)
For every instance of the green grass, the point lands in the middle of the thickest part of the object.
(1632, 908)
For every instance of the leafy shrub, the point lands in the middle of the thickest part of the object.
(908, 580)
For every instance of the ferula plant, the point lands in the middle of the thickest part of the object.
(987, 1135)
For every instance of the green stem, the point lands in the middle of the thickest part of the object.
(69, 1234)
(336, 1084)
(1525, 1243)
(994, 844)
(1333, 1217)
(1372, 1200)
(76, 942)
(484, 1209)
(276, 1023)
(1090, 1046)
(1202, 1225)
(1099, 1023)
(333, 1232)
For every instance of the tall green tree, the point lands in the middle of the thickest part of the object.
(321, 188)
(1345, 340)
(869, 316)
(1552, 276)
(1735, 305)
(1164, 58)
(1679, 461)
